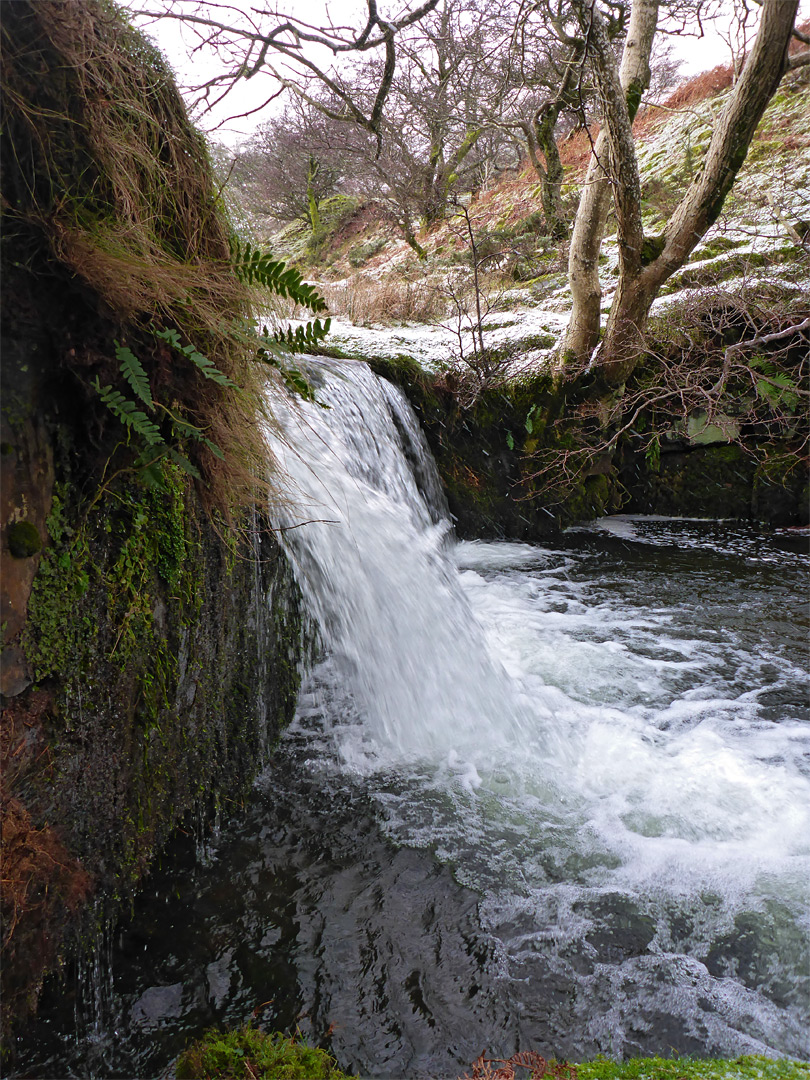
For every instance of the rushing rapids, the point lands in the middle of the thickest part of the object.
(533, 798)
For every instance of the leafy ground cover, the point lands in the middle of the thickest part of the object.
(250, 1054)
(743, 1068)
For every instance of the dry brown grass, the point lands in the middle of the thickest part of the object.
(107, 182)
(700, 87)
(41, 883)
(575, 149)
(532, 1066)
(366, 301)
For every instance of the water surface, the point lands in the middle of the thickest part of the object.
(550, 798)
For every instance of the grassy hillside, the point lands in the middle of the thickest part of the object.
(372, 277)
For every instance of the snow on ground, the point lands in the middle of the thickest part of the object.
(435, 345)
(770, 198)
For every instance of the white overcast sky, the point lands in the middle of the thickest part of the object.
(192, 68)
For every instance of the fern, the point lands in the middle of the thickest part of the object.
(129, 414)
(302, 338)
(133, 372)
(206, 366)
(183, 429)
(184, 463)
(295, 381)
(257, 267)
(134, 418)
(253, 266)
(775, 387)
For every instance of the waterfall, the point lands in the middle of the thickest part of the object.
(551, 799)
(593, 751)
(369, 537)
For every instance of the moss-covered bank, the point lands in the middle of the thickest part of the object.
(151, 627)
(248, 1052)
(162, 661)
(529, 457)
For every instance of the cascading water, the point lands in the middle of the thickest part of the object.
(374, 566)
(608, 775)
(533, 798)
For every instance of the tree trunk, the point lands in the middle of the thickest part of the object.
(589, 225)
(552, 176)
(413, 243)
(312, 198)
(703, 201)
(540, 136)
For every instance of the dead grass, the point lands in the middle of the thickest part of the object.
(366, 301)
(527, 1064)
(41, 883)
(107, 182)
(700, 87)
(575, 150)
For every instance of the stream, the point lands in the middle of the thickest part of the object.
(551, 798)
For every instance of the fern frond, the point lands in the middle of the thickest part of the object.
(133, 372)
(184, 463)
(129, 414)
(252, 266)
(185, 430)
(759, 363)
(206, 366)
(303, 338)
(778, 390)
(295, 381)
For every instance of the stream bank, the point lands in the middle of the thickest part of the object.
(523, 461)
(151, 627)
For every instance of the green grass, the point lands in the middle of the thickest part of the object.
(743, 1068)
(250, 1054)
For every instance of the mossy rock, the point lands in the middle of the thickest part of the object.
(249, 1053)
(23, 539)
(717, 246)
(593, 497)
(715, 481)
(749, 1067)
(779, 490)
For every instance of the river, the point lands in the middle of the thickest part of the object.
(551, 798)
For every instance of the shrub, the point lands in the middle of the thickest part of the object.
(364, 300)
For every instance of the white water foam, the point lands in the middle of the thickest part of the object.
(556, 739)
(373, 565)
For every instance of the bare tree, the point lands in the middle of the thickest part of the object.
(290, 166)
(448, 87)
(255, 41)
(548, 82)
(626, 85)
(643, 268)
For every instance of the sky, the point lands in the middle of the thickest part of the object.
(194, 67)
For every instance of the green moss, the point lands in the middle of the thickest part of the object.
(249, 1053)
(361, 253)
(744, 1068)
(57, 631)
(718, 246)
(591, 497)
(720, 270)
(651, 248)
(23, 539)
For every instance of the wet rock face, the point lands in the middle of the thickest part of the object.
(157, 701)
(150, 661)
(26, 484)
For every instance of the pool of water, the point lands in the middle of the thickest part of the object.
(599, 843)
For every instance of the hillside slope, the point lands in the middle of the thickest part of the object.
(372, 278)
